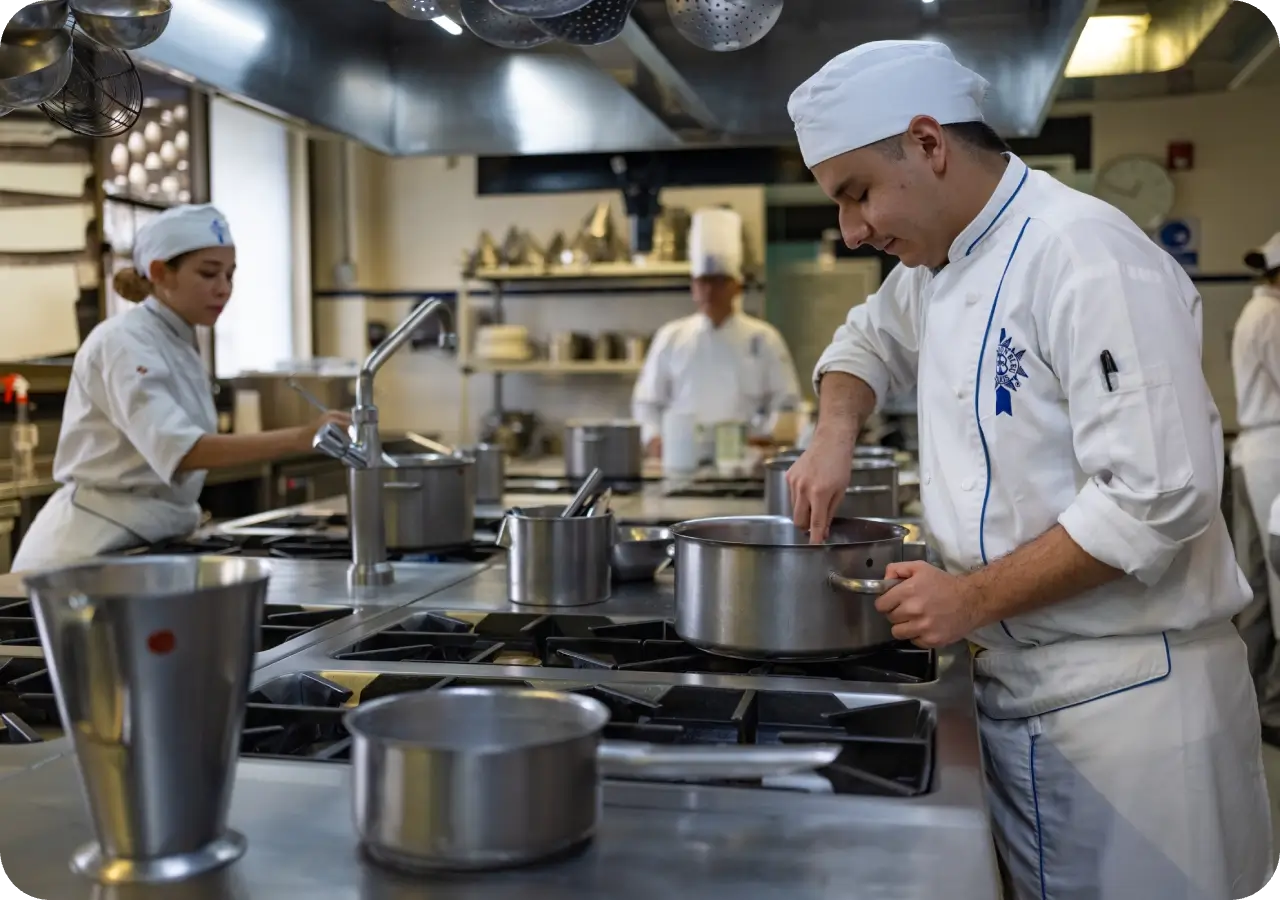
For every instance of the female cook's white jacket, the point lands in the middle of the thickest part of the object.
(1020, 430)
(138, 401)
(741, 371)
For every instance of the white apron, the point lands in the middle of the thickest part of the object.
(138, 401)
(1056, 360)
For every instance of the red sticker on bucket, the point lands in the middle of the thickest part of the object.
(161, 642)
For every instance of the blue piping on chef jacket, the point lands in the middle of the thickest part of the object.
(982, 351)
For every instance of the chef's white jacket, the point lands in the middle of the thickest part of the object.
(741, 371)
(138, 401)
(1255, 362)
(1020, 431)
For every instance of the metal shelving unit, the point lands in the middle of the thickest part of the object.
(517, 282)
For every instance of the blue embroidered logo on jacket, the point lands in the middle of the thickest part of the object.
(1009, 373)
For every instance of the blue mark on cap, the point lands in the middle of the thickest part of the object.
(219, 231)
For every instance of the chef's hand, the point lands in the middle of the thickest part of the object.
(818, 481)
(930, 608)
(307, 433)
(653, 449)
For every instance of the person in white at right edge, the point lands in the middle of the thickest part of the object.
(1255, 361)
(1071, 464)
(719, 364)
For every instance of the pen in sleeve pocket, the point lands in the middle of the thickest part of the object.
(1109, 368)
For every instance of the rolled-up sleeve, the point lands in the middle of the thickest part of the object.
(1150, 446)
(879, 342)
(138, 395)
(652, 392)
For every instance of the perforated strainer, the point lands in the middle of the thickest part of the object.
(500, 28)
(599, 22)
(724, 25)
(540, 9)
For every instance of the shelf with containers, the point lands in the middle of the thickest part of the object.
(493, 289)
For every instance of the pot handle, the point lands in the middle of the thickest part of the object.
(862, 585)
(726, 762)
(402, 485)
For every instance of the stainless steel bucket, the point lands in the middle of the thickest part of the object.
(490, 472)
(554, 561)
(479, 778)
(150, 660)
(428, 501)
(872, 491)
(754, 587)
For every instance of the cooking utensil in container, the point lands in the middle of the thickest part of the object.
(585, 493)
(753, 587)
(640, 552)
(123, 24)
(500, 28)
(540, 9)
(477, 778)
(428, 502)
(557, 561)
(872, 491)
(598, 22)
(724, 25)
(130, 642)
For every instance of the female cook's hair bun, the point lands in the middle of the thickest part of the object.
(131, 285)
(1256, 261)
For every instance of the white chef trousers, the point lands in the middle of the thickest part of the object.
(1154, 792)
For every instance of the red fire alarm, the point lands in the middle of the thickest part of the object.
(1182, 156)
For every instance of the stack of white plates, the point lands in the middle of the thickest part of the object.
(506, 343)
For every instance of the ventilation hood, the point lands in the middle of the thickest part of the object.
(355, 68)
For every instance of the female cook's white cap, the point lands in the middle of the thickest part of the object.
(715, 243)
(1267, 257)
(873, 91)
(177, 231)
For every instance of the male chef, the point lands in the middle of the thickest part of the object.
(1071, 463)
(719, 364)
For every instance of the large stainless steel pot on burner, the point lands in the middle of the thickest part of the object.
(754, 587)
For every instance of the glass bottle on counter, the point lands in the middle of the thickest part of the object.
(24, 436)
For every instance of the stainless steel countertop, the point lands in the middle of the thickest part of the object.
(655, 841)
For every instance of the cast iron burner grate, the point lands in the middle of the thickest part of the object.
(596, 642)
(887, 746)
(280, 623)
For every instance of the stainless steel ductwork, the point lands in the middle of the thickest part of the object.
(404, 87)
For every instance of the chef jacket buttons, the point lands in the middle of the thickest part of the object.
(969, 484)
(959, 389)
(972, 299)
(928, 479)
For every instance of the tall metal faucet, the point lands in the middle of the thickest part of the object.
(364, 459)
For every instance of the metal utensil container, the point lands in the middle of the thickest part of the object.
(754, 587)
(872, 491)
(553, 561)
(490, 471)
(639, 552)
(130, 643)
(428, 501)
(611, 446)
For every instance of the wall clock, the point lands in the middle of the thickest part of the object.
(1139, 187)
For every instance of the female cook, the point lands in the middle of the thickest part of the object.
(139, 429)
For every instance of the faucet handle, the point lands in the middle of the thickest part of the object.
(333, 440)
(448, 340)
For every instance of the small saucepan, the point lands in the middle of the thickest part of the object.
(479, 778)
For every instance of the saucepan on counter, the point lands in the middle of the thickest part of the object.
(479, 778)
(429, 501)
(753, 587)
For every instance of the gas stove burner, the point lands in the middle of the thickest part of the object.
(17, 625)
(303, 522)
(887, 746)
(28, 708)
(597, 642)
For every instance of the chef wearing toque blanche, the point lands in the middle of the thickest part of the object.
(718, 364)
